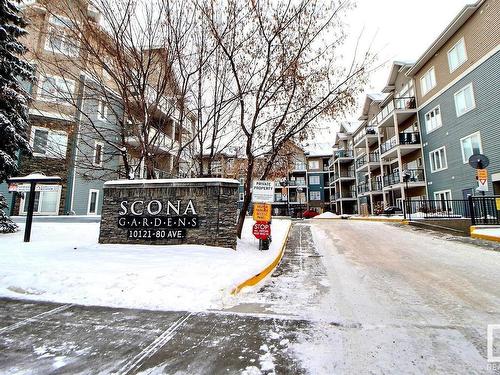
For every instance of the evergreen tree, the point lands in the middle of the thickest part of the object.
(13, 98)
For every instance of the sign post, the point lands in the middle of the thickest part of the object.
(31, 181)
(262, 196)
(480, 162)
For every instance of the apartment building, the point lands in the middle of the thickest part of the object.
(457, 89)
(70, 141)
(343, 173)
(318, 181)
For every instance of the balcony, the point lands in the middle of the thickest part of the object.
(388, 145)
(363, 187)
(403, 139)
(368, 131)
(156, 138)
(344, 174)
(412, 138)
(370, 186)
(299, 167)
(372, 157)
(343, 155)
(295, 183)
(376, 185)
(415, 176)
(348, 194)
(403, 104)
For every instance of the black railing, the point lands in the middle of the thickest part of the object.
(376, 185)
(363, 187)
(480, 210)
(361, 161)
(347, 173)
(412, 138)
(388, 145)
(484, 210)
(392, 179)
(373, 157)
(416, 175)
(435, 209)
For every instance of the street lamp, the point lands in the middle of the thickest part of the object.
(299, 192)
(406, 179)
(284, 184)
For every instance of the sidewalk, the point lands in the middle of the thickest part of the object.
(485, 233)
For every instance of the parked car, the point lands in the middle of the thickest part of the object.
(393, 210)
(308, 214)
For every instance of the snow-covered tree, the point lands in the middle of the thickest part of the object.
(13, 98)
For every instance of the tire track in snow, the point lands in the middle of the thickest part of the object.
(35, 318)
(156, 345)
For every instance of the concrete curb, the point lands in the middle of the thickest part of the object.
(483, 236)
(254, 280)
(385, 220)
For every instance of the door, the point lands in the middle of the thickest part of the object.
(465, 195)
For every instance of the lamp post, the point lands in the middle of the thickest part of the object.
(406, 179)
(284, 184)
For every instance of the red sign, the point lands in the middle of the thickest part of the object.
(261, 230)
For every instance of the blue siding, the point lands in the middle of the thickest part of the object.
(485, 118)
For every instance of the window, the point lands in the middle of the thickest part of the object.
(443, 199)
(102, 110)
(55, 89)
(433, 120)
(314, 180)
(59, 38)
(98, 154)
(301, 181)
(48, 143)
(471, 145)
(93, 201)
(242, 180)
(428, 81)
(438, 160)
(464, 100)
(313, 164)
(457, 55)
(315, 195)
(242, 196)
(46, 201)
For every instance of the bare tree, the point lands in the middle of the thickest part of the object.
(287, 72)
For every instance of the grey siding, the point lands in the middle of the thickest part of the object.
(485, 118)
(86, 175)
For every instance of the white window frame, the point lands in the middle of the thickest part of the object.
(462, 145)
(315, 192)
(438, 107)
(38, 212)
(102, 110)
(313, 164)
(315, 177)
(423, 83)
(473, 99)
(52, 99)
(54, 26)
(449, 206)
(444, 161)
(32, 142)
(460, 63)
(95, 154)
(96, 201)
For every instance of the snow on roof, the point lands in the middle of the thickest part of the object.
(319, 148)
(203, 180)
(35, 176)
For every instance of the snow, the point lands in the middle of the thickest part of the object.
(327, 215)
(54, 115)
(493, 232)
(35, 176)
(203, 180)
(65, 264)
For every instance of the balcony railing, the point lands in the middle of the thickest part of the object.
(346, 173)
(343, 154)
(296, 183)
(299, 166)
(416, 175)
(372, 157)
(412, 138)
(363, 187)
(361, 161)
(369, 130)
(376, 185)
(403, 103)
(392, 179)
(388, 145)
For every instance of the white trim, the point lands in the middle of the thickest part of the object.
(444, 161)
(461, 40)
(100, 143)
(96, 201)
(473, 99)
(466, 72)
(462, 147)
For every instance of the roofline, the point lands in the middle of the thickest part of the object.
(451, 29)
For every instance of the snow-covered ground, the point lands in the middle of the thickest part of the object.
(64, 263)
(493, 232)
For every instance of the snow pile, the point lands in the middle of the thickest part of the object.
(327, 215)
(64, 263)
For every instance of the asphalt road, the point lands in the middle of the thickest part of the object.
(348, 298)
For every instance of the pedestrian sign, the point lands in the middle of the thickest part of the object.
(262, 212)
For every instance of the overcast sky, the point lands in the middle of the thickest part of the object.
(400, 30)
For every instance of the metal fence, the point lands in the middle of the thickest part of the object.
(481, 210)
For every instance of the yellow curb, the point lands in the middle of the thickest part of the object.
(254, 280)
(485, 237)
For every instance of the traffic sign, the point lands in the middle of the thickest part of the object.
(482, 179)
(263, 191)
(262, 212)
(261, 230)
